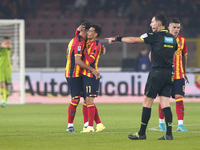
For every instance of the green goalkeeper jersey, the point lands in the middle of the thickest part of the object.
(5, 58)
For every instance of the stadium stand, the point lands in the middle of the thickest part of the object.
(58, 19)
(101, 12)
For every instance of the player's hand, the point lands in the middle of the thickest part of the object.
(81, 28)
(186, 78)
(110, 40)
(96, 73)
(103, 49)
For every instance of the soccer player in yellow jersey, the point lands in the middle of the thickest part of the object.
(5, 69)
(90, 83)
(178, 90)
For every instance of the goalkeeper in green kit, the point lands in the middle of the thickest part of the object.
(5, 69)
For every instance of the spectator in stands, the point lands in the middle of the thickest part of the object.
(143, 63)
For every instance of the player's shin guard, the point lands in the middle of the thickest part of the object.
(85, 113)
(179, 108)
(96, 116)
(72, 111)
(168, 119)
(160, 112)
(91, 113)
(146, 114)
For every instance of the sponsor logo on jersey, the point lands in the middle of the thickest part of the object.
(168, 40)
(144, 35)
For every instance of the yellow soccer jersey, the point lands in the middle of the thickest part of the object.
(5, 62)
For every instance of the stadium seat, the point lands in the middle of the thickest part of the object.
(76, 15)
(120, 27)
(58, 31)
(53, 7)
(100, 14)
(45, 31)
(107, 28)
(71, 28)
(41, 15)
(112, 14)
(33, 29)
(52, 15)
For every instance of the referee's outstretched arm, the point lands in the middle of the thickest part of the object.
(125, 39)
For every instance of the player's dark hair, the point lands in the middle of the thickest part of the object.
(175, 20)
(6, 38)
(162, 18)
(86, 24)
(97, 29)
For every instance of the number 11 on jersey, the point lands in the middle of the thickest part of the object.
(88, 89)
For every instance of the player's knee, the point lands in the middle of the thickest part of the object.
(76, 100)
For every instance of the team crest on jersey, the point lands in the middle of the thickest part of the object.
(179, 42)
(144, 35)
(197, 79)
(168, 40)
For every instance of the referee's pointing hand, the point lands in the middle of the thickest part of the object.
(110, 40)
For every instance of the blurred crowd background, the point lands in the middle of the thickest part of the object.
(58, 19)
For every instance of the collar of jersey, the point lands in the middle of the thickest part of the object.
(94, 41)
(81, 37)
(163, 31)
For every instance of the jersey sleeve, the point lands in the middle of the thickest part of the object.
(185, 48)
(77, 32)
(78, 47)
(148, 38)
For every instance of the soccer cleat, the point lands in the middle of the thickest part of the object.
(70, 129)
(3, 105)
(166, 137)
(136, 136)
(100, 128)
(162, 127)
(181, 128)
(87, 130)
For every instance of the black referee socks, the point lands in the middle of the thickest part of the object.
(168, 119)
(146, 114)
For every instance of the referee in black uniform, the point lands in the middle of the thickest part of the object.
(163, 46)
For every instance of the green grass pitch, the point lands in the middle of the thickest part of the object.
(43, 127)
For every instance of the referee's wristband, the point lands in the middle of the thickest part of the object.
(118, 38)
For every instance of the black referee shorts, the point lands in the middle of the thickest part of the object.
(160, 81)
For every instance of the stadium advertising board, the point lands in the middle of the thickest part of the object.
(51, 87)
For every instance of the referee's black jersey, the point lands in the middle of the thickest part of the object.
(163, 46)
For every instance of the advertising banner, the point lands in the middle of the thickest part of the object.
(51, 87)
